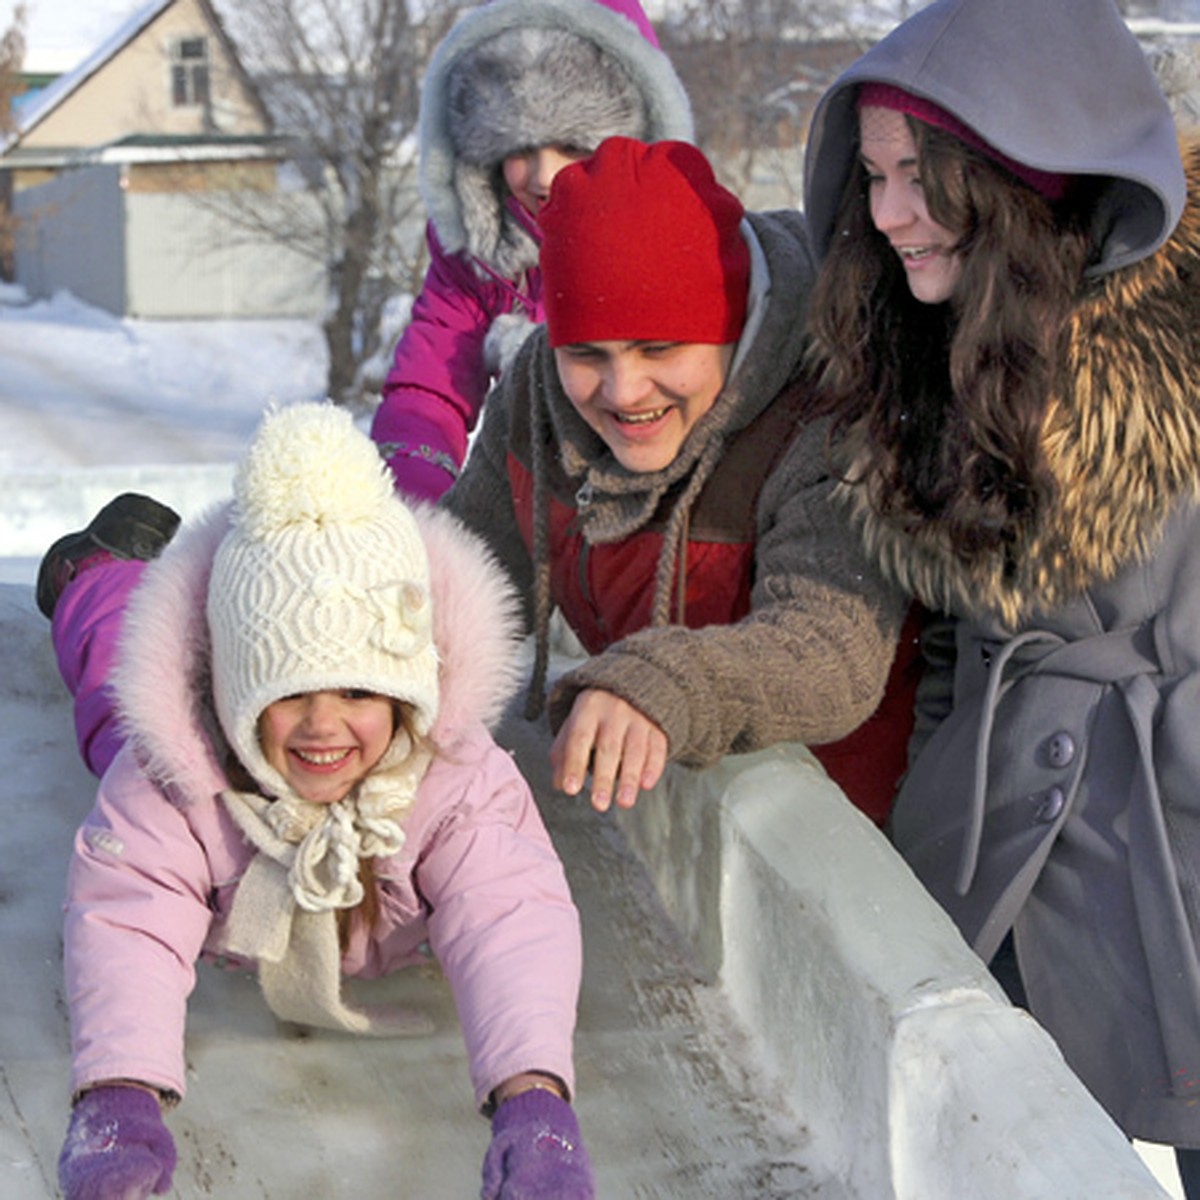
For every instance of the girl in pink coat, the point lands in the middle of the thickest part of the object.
(308, 785)
(516, 90)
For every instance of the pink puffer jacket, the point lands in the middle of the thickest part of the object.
(440, 369)
(158, 860)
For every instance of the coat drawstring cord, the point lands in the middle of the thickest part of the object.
(535, 698)
(674, 550)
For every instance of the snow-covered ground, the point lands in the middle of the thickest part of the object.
(91, 405)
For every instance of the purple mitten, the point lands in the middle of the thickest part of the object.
(536, 1152)
(117, 1147)
(422, 478)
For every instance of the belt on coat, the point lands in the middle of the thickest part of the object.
(1126, 660)
(1115, 657)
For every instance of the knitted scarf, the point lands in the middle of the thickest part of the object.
(284, 913)
(613, 503)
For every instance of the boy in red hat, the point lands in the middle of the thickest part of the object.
(645, 468)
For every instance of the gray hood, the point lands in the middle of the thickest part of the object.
(1060, 85)
(542, 71)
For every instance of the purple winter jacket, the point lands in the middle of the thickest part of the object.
(158, 860)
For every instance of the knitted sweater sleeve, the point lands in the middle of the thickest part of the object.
(808, 663)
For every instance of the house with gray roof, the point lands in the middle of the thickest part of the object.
(131, 177)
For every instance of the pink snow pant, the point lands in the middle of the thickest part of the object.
(86, 627)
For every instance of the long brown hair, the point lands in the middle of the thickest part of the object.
(951, 399)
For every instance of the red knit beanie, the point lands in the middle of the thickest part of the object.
(640, 243)
(1051, 184)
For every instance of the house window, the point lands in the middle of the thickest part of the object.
(189, 72)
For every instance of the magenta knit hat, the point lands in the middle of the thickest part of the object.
(641, 242)
(1050, 184)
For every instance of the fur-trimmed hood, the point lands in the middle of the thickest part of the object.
(540, 72)
(162, 685)
(1124, 445)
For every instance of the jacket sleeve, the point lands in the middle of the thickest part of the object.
(810, 661)
(438, 379)
(503, 927)
(86, 629)
(136, 918)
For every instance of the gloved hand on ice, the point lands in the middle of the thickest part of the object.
(117, 1147)
(537, 1152)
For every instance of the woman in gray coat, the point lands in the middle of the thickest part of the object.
(1007, 323)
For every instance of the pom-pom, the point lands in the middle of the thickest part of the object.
(310, 464)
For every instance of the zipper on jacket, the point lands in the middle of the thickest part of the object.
(585, 590)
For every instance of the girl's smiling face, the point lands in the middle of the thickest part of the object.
(324, 743)
(643, 398)
(888, 151)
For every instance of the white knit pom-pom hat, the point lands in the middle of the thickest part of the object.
(321, 583)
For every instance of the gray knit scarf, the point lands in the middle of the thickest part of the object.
(612, 503)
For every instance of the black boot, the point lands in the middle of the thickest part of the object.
(131, 526)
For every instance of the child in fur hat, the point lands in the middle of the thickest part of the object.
(644, 467)
(320, 740)
(515, 91)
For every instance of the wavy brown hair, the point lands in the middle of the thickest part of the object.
(951, 398)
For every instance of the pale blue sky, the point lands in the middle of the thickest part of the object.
(59, 33)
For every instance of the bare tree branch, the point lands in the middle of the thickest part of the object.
(341, 81)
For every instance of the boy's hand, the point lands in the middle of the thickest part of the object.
(625, 749)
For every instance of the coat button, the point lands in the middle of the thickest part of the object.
(1050, 805)
(1060, 749)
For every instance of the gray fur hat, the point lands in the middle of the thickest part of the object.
(516, 74)
(538, 87)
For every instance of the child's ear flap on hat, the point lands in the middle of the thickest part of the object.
(488, 231)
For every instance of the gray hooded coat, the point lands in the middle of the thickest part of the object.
(1060, 796)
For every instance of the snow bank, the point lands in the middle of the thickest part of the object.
(915, 1076)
